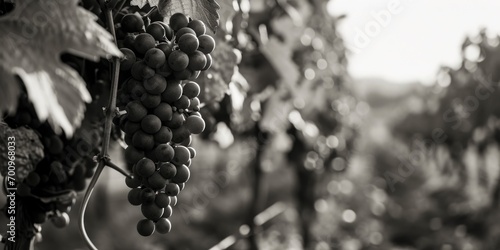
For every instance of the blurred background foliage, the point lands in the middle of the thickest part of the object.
(297, 155)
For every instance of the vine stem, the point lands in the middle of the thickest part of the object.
(108, 125)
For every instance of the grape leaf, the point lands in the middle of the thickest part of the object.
(28, 150)
(214, 83)
(35, 33)
(142, 3)
(204, 10)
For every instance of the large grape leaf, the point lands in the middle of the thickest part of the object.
(34, 35)
(205, 10)
(142, 3)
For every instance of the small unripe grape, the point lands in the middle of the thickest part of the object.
(172, 93)
(195, 124)
(145, 168)
(162, 200)
(156, 181)
(180, 134)
(133, 155)
(181, 155)
(156, 84)
(155, 58)
(163, 226)
(135, 196)
(164, 152)
(177, 121)
(61, 220)
(178, 60)
(164, 112)
(194, 75)
(128, 60)
(182, 175)
(192, 152)
(180, 33)
(207, 44)
(132, 23)
(164, 135)
(188, 43)
(191, 89)
(209, 62)
(198, 27)
(145, 227)
(156, 30)
(140, 71)
(172, 189)
(150, 101)
(148, 195)
(167, 170)
(142, 140)
(197, 60)
(178, 21)
(151, 124)
(135, 111)
(132, 182)
(182, 103)
(144, 42)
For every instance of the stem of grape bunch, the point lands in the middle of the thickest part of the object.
(110, 110)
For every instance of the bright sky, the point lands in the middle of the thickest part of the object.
(419, 36)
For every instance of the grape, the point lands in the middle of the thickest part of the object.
(140, 71)
(180, 33)
(178, 60)
(195, 113)
(164, 152)
(182, 103)
(187, 141)
(180, 134)
(188, 43)
(183, 74)
(198, 27)
(163, 226)
(131, 127)
(166, 47)
(164, 112)
(164, 135)
(145, 168)
(143, 42)
(137, 92)
(142, 140)
(33, 179)
(191, 89)
(164, 70)
(181, 155)
(135, 111)
(155, 58)
(156, 84)
(133, 155)
(209, 62)
(132, 182)
(156, 181)
(150, 101)
(162, 200)
(150, 155)
(169, 33)
(61, 220)
(207, 44)
(128, 41)
(195, 124)
(167, 170)
(177, 121)
(151, 211)
(135, 196)
(129, 85)
(192, 152)
(182, 175)
(167, 212)
(147, 195)
(197, 60)
(195, 104)
(173, 200)
(172, 93)
(178, 21)
(156, 30)
(182, 186)
(172, 189)
(128, 60)
(132, 23)
(145, 227)
(151, 124)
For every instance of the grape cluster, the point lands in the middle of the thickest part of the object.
(162, 110)
(49, 189)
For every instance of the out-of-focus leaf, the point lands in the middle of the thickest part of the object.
(214, 82)
(142, 3)
(34, 36)
(276, 111)
(279, 55)
(204, 10)
(27, 147)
